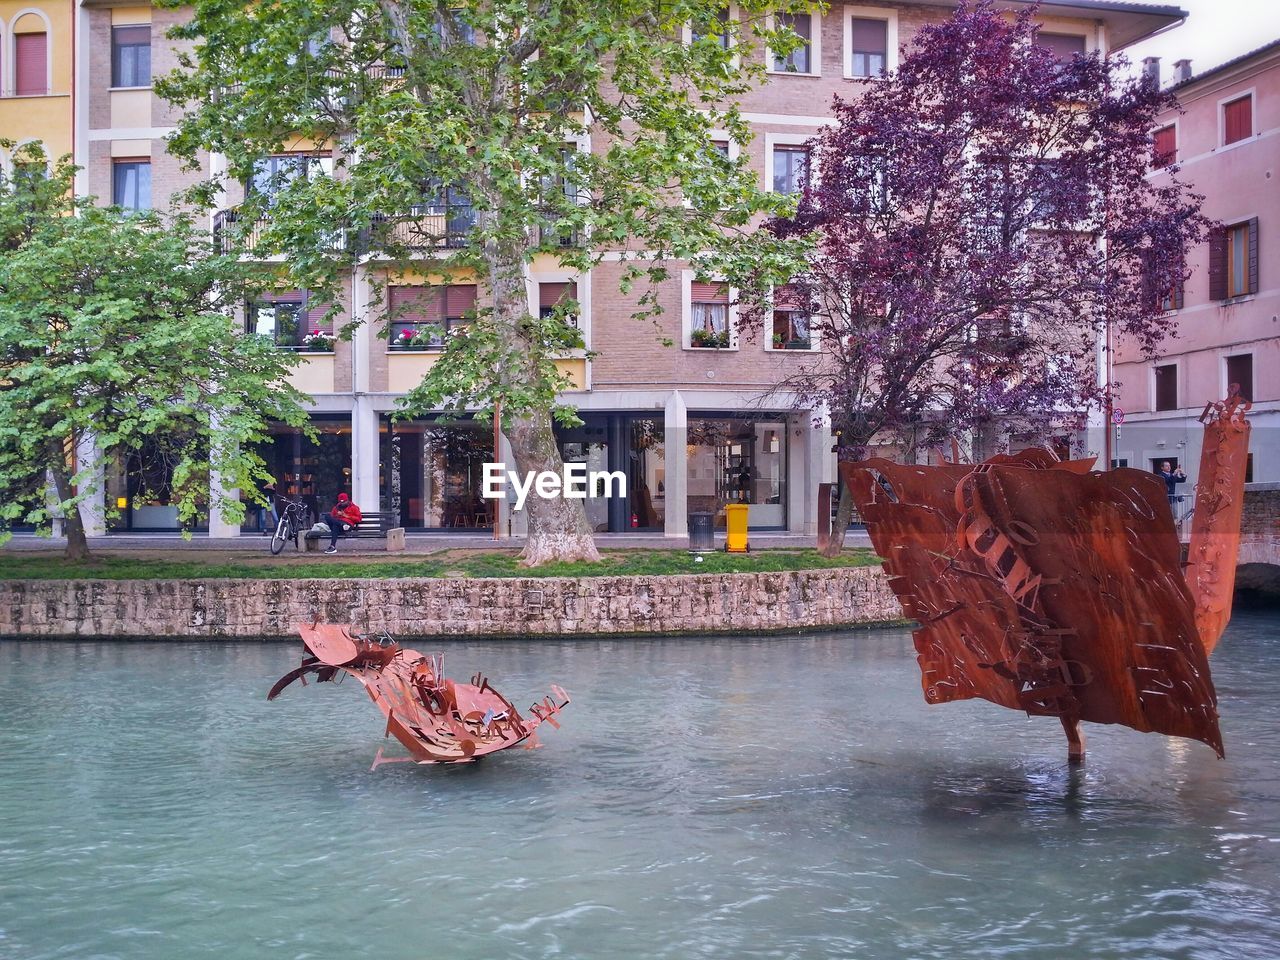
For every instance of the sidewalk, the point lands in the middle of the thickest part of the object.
(415, 543)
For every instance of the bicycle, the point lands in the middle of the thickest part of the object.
(293, 520)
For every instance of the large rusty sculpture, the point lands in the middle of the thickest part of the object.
(437, 719)
(1043, 586)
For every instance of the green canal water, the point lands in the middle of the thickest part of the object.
(706, 798)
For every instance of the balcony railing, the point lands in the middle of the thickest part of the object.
(434, 228)
(230, 226)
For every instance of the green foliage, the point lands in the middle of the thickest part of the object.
(568, 127)
(25, 565)
(116, 327)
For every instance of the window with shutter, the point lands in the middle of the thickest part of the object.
(280, 317)
(1167, 387)
(1165, 150)
(709, 315)
(869, 47)
(792, 319)
(551, 295)
(1237, 120)
(1240, 373)
(1241, 259)
(131, 56)
(30, 68)
(1218, 265)
(1063, 46)
(800, 59)
(423, 316)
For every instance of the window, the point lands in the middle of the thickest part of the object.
(868, 47)
(30, 69)
(1237, 120)
(1233, 261)
(131, 56)
(790, 168)
(551, 295)
(1240, 371)
(279, 317)
(721, 34)
(1063, 46)
(1165, 149)
(791, 320)
(271, 175)
(422, 317)
(131, 184)
(1167, 387)
(709, 315)
(801, 58)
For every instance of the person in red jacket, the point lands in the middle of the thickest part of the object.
(344, 516)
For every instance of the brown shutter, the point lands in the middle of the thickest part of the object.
(1253, 255)
(460, 298)
(1063, 46)
(1177, 292)
(708, 293)
(788, 297)
(31, 65)
(550, 294)
(132, 35)
(1237, 117)
(1166, 146)
(315, 317)
(417, 304)
(869, 36)
(1218, 265)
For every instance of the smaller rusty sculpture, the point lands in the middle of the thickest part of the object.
(437, 719)
(1044, 586)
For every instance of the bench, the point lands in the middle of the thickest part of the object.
(372, 526)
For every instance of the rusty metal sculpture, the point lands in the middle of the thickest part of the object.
(1043, 586)
(1215, 524)
(437, 719)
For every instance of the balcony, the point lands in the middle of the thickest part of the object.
(429, 227)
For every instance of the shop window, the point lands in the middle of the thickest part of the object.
(131, 56)
(433, 474)
(738, 461)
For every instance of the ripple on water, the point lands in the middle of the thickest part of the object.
(781, 797)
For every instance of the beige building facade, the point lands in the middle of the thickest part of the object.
(695, 425)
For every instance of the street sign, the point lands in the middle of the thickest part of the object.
(1117, 416)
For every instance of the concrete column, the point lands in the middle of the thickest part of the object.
(89, 464)
(675, 431)
(801, 500)
(519, 519)
(364, 455)
(218, 494)
(819, 467)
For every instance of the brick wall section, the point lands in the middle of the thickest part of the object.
(1260, 524)
(555, 607)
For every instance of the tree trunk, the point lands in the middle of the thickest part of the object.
(72, 524)
(844, 513)
(558, 527)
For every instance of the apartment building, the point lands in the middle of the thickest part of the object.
(1224, 143)
(694, 425)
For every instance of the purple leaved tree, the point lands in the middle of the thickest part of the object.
(982, 221)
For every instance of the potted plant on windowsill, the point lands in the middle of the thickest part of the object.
(318, 342)
(709, 339)
(417, 340)
(779, 341)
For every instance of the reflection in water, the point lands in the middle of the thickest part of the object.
(781, 797)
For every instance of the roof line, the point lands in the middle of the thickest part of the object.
(1227, 65)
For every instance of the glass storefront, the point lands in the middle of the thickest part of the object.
(313, 471)
(621, 443)
(142, 490)
(739, 460)
(432, 473)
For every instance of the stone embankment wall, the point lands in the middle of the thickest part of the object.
(527, 607)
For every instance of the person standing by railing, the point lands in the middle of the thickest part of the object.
(1171, 477)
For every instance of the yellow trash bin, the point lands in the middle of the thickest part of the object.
(735, 528)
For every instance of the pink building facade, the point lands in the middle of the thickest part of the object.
(1225, 142)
